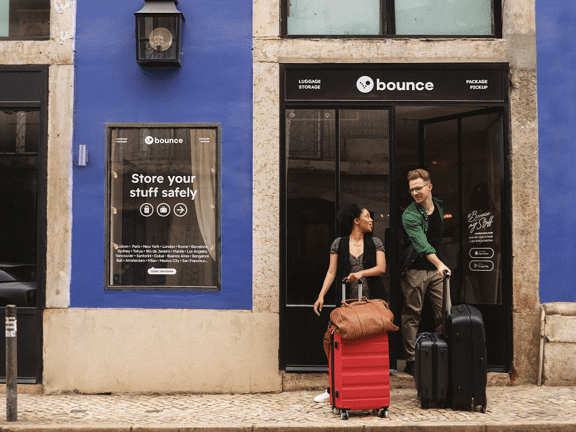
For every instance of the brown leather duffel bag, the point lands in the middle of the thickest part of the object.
(361, 318)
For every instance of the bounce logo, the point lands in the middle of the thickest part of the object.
(365, 84)
(152, 140)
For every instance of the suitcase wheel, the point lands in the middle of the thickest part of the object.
(335, 411)
(483, 409)
(384, 413)
(344, 415)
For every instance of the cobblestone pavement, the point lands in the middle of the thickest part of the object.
(507, 406)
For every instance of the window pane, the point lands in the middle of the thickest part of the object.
(334, 17)
(18, 205)
(444, 17)
(310, 165)
(25, 19)
(364, 166)
(19, 132)
(163, 208)
(441, 160)
(481, 137)
(4, 11)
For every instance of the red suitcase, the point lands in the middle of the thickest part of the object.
(359, 374)
(359, 371)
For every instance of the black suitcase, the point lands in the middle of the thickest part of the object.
(432, 364)
(432, 369)
(467, 346)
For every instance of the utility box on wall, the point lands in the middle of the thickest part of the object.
(163, 207)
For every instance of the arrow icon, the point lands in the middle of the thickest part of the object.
(180, 209)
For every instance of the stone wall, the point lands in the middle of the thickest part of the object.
(559, 348)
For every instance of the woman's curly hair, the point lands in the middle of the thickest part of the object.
(347, 213)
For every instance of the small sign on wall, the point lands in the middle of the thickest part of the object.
(163, 206)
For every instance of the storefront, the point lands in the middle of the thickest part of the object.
(351, 132)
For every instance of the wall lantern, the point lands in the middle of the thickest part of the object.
(159, 28)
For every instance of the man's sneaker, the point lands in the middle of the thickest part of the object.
(324, 397)
(410, 368)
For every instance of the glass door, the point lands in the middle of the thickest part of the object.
(23, 145)
(19, 163)
(332, 156)
(464, 155)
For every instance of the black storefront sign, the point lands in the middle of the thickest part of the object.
(422, 83)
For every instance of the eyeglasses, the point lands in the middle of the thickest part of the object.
(417, 189)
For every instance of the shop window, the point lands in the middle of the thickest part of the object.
(19, 138)
(163, 211)
(391, 17)
(24, 19)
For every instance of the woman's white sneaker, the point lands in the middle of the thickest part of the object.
(324, 397)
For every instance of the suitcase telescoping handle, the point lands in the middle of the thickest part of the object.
(344, 289)
(445, 294)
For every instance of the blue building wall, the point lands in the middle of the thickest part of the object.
(556, 44)
(214, 85)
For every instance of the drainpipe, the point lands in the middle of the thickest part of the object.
(542, 336)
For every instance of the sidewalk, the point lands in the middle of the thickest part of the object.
(510, 408)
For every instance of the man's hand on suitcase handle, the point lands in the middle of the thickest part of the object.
(443, 270)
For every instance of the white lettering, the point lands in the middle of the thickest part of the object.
(179, 193)
(181, 179)
(168, 140)
(141, 178)
(404, 86)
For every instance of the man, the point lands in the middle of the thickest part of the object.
(421, 266)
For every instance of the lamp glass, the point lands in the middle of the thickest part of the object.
(158, 39)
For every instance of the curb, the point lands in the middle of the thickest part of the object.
(413, 427)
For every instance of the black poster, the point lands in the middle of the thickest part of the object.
(163, 207)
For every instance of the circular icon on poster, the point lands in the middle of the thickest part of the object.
(146, 210)
(180, 209)
(163, 209)
(365, 84)
(148, 140)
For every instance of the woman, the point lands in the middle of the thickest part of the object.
(359, 256)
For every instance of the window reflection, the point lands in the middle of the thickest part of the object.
(311, 187)
(25, 19)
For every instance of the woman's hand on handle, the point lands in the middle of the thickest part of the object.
(318, 305)
(353, 277)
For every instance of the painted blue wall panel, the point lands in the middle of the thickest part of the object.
(214, 85)
(556, 44)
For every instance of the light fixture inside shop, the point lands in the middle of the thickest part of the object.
(159, 28)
